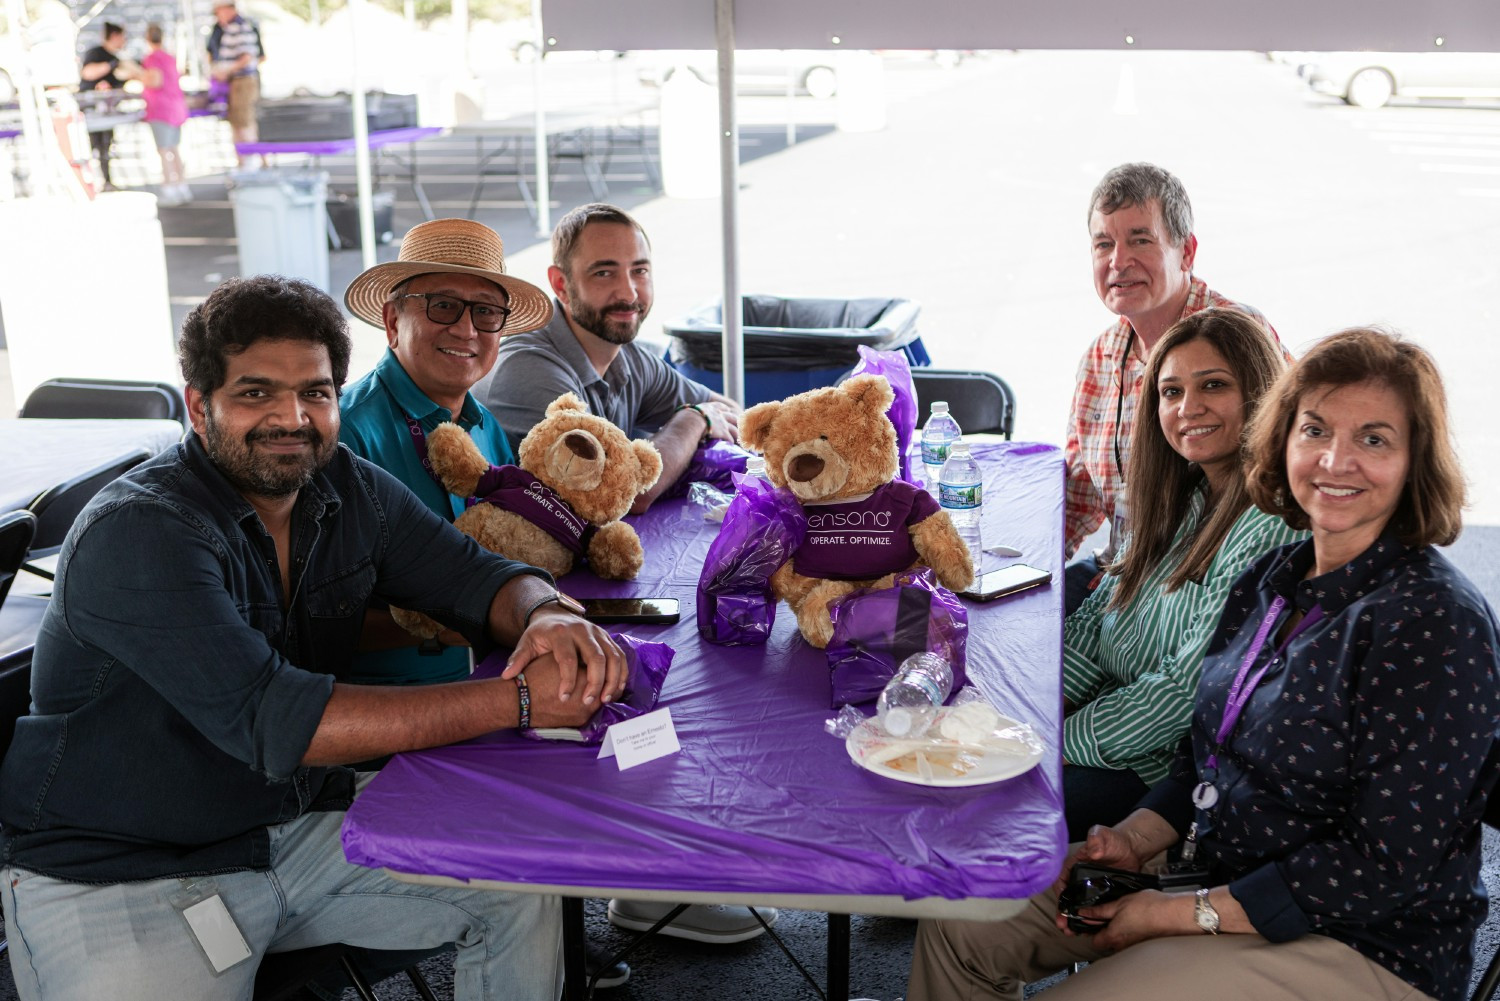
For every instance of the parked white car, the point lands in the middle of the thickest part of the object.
(1371, 79)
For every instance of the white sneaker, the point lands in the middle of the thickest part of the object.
(167, 197)
(716, 924)
(184, 193)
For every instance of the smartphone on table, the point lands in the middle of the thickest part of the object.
(645, 611)
(1007, 580)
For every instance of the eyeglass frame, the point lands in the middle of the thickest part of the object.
(468, 306)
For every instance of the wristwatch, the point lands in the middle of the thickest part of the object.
(571, 604)
(1204, 913)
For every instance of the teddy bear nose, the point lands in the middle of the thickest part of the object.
(581, 445)
(805, 468)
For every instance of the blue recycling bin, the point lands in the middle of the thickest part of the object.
(793, 345)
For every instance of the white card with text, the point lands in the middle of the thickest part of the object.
(645, 738)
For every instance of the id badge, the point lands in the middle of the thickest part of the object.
(213, 927)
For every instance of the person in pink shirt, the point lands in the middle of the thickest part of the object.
(166, 110)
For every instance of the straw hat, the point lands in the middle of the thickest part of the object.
(449, 246)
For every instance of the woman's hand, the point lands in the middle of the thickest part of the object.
(1109, 846)
(1141, 916)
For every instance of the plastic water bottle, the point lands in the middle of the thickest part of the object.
(938, 436)
(756, 466)
(961, 494)
(911, 699)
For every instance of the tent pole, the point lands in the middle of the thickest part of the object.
(539, 127)
(361, 144)
(733, 349)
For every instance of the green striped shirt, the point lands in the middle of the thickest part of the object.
(1133, 672)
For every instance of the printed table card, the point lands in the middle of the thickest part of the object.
(645, 738)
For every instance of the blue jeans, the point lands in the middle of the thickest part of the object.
(127, 942)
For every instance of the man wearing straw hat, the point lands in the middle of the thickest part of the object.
(444, 305)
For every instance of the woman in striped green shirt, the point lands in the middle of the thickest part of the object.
(1132, 651)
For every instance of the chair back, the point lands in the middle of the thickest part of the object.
(17, 528)
(106, 398)
(15, 693)
(981, 402)
(57, 507)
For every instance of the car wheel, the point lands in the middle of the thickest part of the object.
(820, 81)
(1371, 87)
(525, 51)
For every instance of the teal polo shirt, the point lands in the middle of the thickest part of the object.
(372, 414)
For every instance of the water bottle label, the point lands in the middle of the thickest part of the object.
(935, 453)
(929, 687)
(961, 497)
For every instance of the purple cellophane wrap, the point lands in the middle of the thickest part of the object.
(903, 409)
(761, 529)
(714, 464)
(759, 800)
(646, 668)
(874, 630)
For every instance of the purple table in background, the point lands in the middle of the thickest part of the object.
(375, 141)
(760, 806)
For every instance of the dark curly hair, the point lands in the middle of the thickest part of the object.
(264, 307)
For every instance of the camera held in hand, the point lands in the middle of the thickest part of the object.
(1091, 885)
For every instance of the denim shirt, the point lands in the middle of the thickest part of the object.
(174, 693)
(1352, 787)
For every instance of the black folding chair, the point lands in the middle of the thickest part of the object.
(1489, 984)
(283, 975)
(106, 398)
(15, 702)
(17, 528)
(981, 402)
(56, 508)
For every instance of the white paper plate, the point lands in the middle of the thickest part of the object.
(1011, 750)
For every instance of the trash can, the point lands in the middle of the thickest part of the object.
(793, 345)
(281, 223)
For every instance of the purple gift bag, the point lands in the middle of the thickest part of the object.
(646, 666)
(714, 464)
(903, 409)
(762, 528)
(874, 630)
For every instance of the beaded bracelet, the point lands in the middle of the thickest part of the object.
(708, 422)
(523, 694)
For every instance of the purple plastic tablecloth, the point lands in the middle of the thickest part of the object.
(760, 799)
(330, 147)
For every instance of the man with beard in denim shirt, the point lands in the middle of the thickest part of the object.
(188, 719)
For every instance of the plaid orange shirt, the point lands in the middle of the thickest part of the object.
(1096, 468)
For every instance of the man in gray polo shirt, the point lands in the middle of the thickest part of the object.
(601, 276)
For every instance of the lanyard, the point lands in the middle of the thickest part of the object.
(1206, 794)
(419, 442)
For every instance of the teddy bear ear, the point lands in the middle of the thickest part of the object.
(870, 391)
(650, 460)
(755, 424)
(566, 403)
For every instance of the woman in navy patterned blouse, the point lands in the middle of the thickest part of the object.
(1344, 737)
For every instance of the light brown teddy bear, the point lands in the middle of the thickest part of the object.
(836, 449)
(578, 476)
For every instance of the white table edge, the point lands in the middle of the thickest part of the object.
(885, 905)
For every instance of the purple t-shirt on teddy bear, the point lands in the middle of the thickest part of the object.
(862, 539)
(511, 488)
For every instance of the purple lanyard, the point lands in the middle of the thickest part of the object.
(1206, 794)
(419, 442)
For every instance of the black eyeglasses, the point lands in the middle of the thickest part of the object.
(447, 309)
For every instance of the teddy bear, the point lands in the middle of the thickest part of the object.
(835, 449)
(578, 475)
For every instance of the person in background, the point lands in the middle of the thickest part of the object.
(166, 110)
(601, 276)
(1131, 653)
(104, 69)
(1343, 745)
(235, 53)
(1140, 226)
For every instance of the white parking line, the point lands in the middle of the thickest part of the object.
(1444, 151)
(1459, 168)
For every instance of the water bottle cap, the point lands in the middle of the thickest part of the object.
(959, 448)
(898, 722)
(939, 407)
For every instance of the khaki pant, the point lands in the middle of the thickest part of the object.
(973, 960)
(244, 96)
